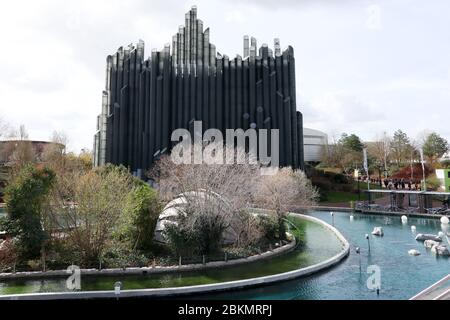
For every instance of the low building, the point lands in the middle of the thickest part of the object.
(9, 149)
(12, 151)
(313, 143)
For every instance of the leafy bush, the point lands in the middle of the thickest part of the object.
(238, 252)
(182, 242)
(322, 184)
(337, 178)
(97, 201)
(61, 255)
(121, 257)
(433, 183)
(138, 222)
(445, 164)
(25, 197)
(196, 234)
(269, 226)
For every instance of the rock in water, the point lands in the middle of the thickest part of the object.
(440, 250)
(413, 252)
(378, 231)
(423, 237)
(430, 243)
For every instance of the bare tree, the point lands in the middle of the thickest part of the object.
(280, 192)
(333, 153)
(18, 150)
(54, 154)
(60, 138)
(23, 133)
(8, 254)
(4, 128)
(380, 150)
(216, 195)
(414, 155)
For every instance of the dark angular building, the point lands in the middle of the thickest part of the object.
(146, 99)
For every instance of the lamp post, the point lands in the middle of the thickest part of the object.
(117, 288)
(366, 167)
(368, 241)
(356, 175)
(358, 252)
(424, 188)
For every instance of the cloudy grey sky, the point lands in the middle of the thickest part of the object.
(363, 66)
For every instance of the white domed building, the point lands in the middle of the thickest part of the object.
(179, 206)
(313, 143)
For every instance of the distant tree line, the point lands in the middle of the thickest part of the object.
(386, 154)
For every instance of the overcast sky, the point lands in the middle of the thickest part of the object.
(363, 66)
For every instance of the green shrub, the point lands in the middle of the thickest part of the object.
(122, 257)
(322, 184)
(433, 183)
(269, 227)
(196, 234)
(445, 164)
(138, 222)
(25, 197)
(182, 242)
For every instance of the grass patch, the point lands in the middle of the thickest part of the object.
(346, 197)
(340, 197)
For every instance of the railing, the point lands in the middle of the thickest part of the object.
(438, 291)
(365, 206)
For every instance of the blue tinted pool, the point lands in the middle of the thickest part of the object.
(402, 275)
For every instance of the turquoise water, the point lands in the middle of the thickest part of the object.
(402, 276)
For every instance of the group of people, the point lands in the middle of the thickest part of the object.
(394, 184)
(402, 184)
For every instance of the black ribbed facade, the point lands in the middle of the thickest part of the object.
(146, 99)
